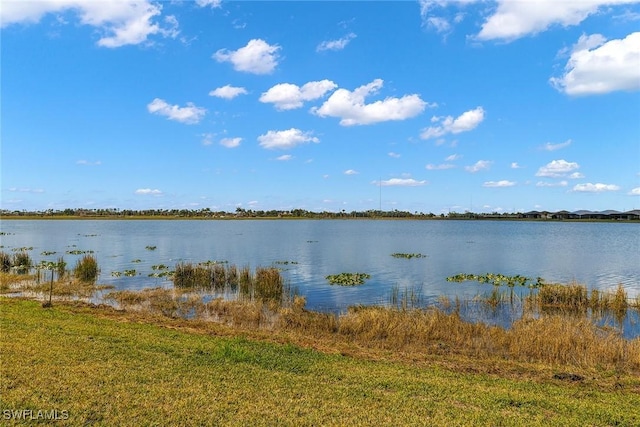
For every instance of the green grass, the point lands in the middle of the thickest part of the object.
(109, 368)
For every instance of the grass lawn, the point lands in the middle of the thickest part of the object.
(98, 369)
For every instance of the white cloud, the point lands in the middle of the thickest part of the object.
(400, 182)
(119, 22)
(188, 115)
(88, 163)
(499, 184)
(443, 166)
(284, 157)
(26, 190)
(257, 57)
(285, 139)
(515, 19)
(228, 92)
(552, 184)
(230, 142)
(207, 138)
(394, 155)
(287, 96)
(576, 175)
(634, 191)
(148, 191)
(478, 166)
(336, 44)
(595, 188)
(467, 121)
(350, 172)
(453, 157)
(557, 169)
(350, 106)
(515, 165)
(596, 67)
(213, 3)
(553, 147)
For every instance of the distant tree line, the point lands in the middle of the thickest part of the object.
(246, 213)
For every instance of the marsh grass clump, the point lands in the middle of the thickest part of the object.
(268, 284)
(5, 262)
(22, 262)
(165, 302)
(86, 269)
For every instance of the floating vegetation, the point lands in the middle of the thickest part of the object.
(23, 249)
(130, 273)
(498, 280)
(79, 252)
(285, 262)
(209, 263)
(47, 253)
(312, 241)
(5, 233)
(348, 279)
(116, 273)
(407, 256)
(166, 273)
(150, 248)
(90, 235)
(160, 267)
(136, 261)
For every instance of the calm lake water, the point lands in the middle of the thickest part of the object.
(599, 255)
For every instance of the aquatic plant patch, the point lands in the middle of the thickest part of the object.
(407, 256)
(498, 279)
(348, 279)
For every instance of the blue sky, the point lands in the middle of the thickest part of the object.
(428, 106)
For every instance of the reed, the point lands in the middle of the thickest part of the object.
(5, 262)
(22, 262)
(86, 269)
(268, 284)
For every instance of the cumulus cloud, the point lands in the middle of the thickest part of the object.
(635, 191)
(597, 66)
(228, 92)
(453, 157)
(394, 155)
(350, 106)
(400, 182)
(26, 190)
(595, 188)
(558, 169)
(119, 23)
(552, 184)
(188, 115)
(88, 163)
(350, 172)
(515, 165)
(336, 44)
(230, 142)
(467, 121)
(442, 166)
(257, 57)
(499, 184)
(553, 147)
(285, 139)
(148, 191)
(212, 3)
(515, 19)
(287, 96)
(284, 157)
(480, 165)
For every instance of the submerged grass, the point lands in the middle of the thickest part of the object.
(105, 367)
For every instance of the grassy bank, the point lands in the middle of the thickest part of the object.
(109, 367)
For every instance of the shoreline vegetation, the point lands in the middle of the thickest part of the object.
(232, 346)
(240, 213)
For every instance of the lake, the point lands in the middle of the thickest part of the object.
(597, 254)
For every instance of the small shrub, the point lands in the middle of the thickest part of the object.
(86, 269)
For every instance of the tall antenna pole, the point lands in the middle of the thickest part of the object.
(380, 185)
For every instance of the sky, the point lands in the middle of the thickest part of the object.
(422, 106)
